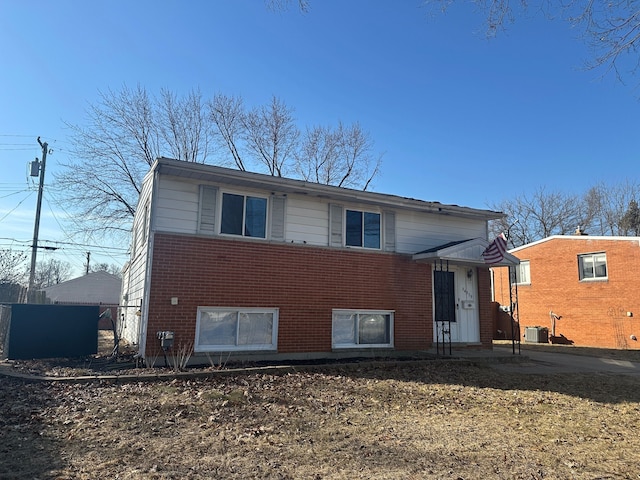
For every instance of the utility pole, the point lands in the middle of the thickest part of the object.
(88, 258)
(36, 228)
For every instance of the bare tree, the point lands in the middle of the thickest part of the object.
(611, 29)
(125, 132)
(338, 156)
(111, 268)
(544, 213)
(227, 114)
(630, 221)
(609, 204)
(271, 135)
(51, 272)
(12, 266)
(184, 125)
(111, 154)
(281, 5)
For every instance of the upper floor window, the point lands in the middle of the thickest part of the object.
(523, 275)
(592, 266)
(244, 215)
(362, 229)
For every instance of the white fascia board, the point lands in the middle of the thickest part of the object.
(215, 174)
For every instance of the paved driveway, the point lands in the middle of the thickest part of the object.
(541, 362)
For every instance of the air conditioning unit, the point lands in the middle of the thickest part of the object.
(536, 335)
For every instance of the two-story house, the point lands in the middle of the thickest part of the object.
(273, 268)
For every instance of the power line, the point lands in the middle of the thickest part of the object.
(72, 244)
(18, 136)
(14, 208)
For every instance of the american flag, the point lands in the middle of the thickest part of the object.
(494, 253)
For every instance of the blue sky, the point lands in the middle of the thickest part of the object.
(460, 119)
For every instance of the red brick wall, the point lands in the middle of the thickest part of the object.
(304, 282)
(593, 313)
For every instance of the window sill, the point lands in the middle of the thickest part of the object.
(356, 348)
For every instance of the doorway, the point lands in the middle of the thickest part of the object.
(456, 302)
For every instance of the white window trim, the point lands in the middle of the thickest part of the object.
(528, 282)
(244, 213)
(343, 346)
(594, 278)
(236, 348)
(363, 211)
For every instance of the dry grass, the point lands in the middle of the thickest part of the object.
(420, 420)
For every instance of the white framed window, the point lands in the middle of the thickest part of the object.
(523, 274)
(222, 329)
(362, 329)
(362, 229)
(592, 266)
(243, 215)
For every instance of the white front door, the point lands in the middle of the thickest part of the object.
(465, 326)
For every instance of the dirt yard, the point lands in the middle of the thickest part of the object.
(418, 420)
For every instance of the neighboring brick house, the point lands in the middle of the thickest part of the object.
(584, 289)
(272, 268)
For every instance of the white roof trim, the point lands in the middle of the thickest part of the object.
(578, 237)
(228, 176)
(465, 253)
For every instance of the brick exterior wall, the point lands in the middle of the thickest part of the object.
(594, 313)
(306, 283)
(485, 307)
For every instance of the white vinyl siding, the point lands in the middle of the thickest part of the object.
(416, 231)
(133, 274)
(177, 206)
(307, 221)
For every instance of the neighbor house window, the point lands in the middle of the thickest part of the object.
(227, 329)
(523, 275)
(244, 215)
(365, 329)
(592, 266)
(362, 229)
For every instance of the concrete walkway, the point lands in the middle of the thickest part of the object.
(562, 361)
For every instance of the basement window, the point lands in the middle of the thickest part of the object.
(362, 329)
(220, 329)
(593, 266)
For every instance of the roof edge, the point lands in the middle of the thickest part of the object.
(290, 185)
(617, 238)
